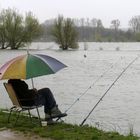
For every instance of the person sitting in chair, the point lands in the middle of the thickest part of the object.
(42, 96)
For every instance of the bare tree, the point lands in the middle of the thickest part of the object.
(82, 22)
(135, 24)
(99, 24)
(87, 22)
(98, 31)
(94, 22)
(115, 24)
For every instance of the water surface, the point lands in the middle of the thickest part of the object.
(91, 72)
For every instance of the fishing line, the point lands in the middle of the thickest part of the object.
(109, 89)
(78, 99)
(91, 85)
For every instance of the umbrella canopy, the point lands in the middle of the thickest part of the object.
(29, 66)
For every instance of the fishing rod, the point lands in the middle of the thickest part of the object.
(108, 90)
(91, 86)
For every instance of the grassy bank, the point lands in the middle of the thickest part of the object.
(61, 131)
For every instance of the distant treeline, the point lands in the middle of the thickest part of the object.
(94, 31)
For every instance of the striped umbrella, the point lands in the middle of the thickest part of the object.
(29, 66)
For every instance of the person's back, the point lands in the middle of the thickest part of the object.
(22, 91)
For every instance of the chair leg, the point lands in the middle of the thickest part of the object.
(30, 115)
(39, 116)
(9, 116)
(17, 117)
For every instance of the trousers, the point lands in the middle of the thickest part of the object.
(45, 98)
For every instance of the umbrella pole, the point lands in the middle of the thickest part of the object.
(32, 82)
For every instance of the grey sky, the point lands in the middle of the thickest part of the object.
(106, 10)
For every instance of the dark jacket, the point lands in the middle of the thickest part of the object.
(23, 92)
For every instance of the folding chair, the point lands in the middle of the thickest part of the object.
(17, 106)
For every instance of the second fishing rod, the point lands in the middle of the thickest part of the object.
(108, 90)
(93, 84)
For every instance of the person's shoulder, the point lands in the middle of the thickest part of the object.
(14, 80)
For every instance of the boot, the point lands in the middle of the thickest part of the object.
(55, 112)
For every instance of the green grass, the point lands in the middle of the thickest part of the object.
(60, 131)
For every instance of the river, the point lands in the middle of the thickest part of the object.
(89, 74)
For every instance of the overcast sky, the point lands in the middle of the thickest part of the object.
(106, 10)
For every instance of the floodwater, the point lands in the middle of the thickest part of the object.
(89, 74)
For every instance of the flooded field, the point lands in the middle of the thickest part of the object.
(88, 76)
